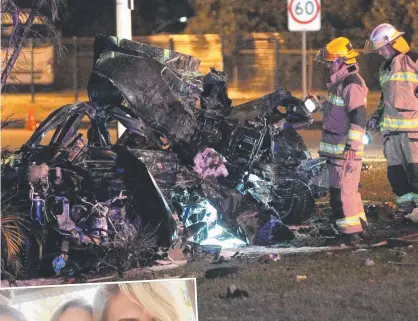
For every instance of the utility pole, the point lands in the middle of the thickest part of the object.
(123, 30)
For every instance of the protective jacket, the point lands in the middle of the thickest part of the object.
(398, 122)
(344, 118)
(398, 108)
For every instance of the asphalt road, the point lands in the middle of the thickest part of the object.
(18, 104)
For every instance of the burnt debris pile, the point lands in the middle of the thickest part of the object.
(178, 172)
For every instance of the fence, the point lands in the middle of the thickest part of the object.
(260, 66)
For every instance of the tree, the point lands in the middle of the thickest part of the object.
(22, 14)
(149, 15)
(89, 18)
(354, 19)
(234, 19)
(403, 14)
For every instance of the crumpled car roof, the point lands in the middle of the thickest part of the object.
(159, 85)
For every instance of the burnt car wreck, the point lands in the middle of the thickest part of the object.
(177, 172)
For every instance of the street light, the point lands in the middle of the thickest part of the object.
(167, 23)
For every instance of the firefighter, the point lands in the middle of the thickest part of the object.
(344, 125)
(397, 114)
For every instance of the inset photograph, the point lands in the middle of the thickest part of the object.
(158, 300)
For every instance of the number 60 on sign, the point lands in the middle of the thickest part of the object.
(304, 15)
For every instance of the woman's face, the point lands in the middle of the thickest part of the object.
(121, 308)
(78, 314)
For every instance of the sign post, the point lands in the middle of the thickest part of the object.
(304, 63)
(304, 15)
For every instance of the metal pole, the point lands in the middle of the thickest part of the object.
(235, 73)
(32, 70)
(75, 68)
(304, 63)
(123, 30)
(171, 44)
(123, 20)
(310, 72)
(276, 65)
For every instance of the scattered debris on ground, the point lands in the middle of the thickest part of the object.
(221, 272)
(234, 292)
(300, 278)
(368, 262)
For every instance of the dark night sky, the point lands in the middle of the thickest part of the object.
(90, 17)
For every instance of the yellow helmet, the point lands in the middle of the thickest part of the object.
(339, 48)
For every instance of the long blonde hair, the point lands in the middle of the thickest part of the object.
(159, 298)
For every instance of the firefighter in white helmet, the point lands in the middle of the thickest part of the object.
(397, 114)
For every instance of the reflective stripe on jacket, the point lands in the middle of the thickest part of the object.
(347, 91)
(399, 80)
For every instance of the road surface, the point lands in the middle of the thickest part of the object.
(19, 103)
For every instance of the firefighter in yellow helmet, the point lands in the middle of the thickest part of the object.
(344, 123)
(397, 114)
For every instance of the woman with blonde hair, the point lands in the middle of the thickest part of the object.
(143, 301)
(73, 310)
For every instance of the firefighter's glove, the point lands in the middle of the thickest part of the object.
(349, 154)
(373, 124)
(321, 100)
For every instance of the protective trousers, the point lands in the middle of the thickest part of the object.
(346, 204)
(401, 152)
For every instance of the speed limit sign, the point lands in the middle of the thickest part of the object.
(304, 15)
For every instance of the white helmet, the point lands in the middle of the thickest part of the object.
(384, 34)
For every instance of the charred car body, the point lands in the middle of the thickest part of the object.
(91, 192)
